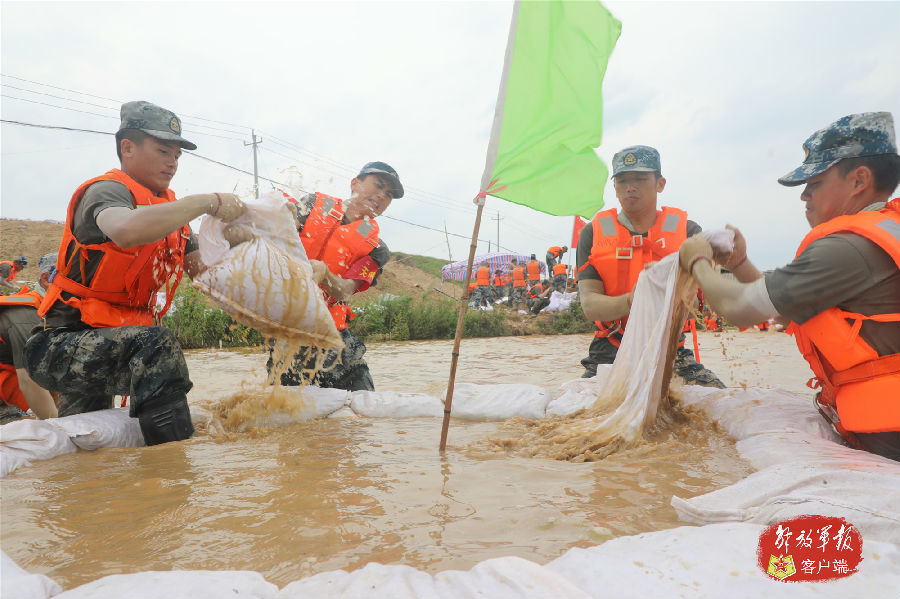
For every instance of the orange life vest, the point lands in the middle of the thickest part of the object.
(472, 286)
(9, 381)
(499, 280)
(555, 250)
(124, 286)
(338, 246)
(534, 291)
(619, 257)
(483, 277)
(13, 270)
(857, 385)
(518, 276)
(559, 269)
(534, 270)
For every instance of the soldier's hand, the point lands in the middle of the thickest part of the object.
(235, 234)
(226, 207)
(319, 270)
(738, 254)
(693, 248)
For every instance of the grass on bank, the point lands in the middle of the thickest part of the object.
(197, 323)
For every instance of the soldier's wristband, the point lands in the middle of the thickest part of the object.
(698, 258)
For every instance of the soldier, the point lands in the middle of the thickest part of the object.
(18, 317)
(126, 238)
(842, 290)
(554, 256)
(538, 296)
(482, 295)
(8, 271)
(519, 286)
(614, 250)
(560, 277)
(342, 241)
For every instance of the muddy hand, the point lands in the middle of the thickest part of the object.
(235, 234)
(226, 207)
(693, 247)
(738, 254)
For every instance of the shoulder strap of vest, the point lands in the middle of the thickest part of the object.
(881, 227)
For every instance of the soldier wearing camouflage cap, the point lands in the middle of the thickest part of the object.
(842, 290)
(342, 240)
(614, 249)
(126, 238)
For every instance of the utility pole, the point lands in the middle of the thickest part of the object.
(498, 219)
(447, 237)
(254, 143)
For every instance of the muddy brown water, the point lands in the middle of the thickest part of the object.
(296, 500)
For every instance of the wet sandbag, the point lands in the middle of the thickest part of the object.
(188, 584)
(16, 582)
(266, 283)
(272, 406)
(395, 404)
(25, 441)
(499, 402)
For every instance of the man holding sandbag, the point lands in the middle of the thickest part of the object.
(126, 238)
(341, 240)
(617, 246)
(842, 290)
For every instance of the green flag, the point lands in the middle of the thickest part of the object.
(549, 111)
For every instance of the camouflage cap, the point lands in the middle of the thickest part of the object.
(155, 121)
(852, 136)
(385, 169)
(641, 159)
(47, 262)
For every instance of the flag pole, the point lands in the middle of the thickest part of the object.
(464, 302)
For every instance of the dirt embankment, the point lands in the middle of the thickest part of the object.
(29, 238)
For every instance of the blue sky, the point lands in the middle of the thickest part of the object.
(726, 91)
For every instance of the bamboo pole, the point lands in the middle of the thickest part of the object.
(464, 302)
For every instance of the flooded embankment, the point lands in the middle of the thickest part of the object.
(335, 493)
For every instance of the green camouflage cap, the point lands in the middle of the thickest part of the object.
(155, 121)
(641, 159)
(852, 136)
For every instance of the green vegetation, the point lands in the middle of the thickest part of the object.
(401, 320)
(567, 323)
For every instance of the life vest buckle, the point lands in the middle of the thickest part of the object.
(637, 241)
(662, 242)
(623, 253)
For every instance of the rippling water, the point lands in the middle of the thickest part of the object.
(338, 493)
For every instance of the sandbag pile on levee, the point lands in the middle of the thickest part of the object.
(266, 283)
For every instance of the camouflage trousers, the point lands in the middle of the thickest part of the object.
(559, 282)
(535, 305)
(482, 293)
(347, 370)
(9, 413)
(518, 295)
(89, 366)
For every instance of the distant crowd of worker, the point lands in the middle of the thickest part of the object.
(520, 284)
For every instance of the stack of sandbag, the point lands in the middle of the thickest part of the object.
(266, 283)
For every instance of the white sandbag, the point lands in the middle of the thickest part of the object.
(25, 441)
(395, 404)
(560, 301)
(499, 402)
(19, 584)
(266, 283)
(745, 412)
(580, 394)
(102, 428)
(500, 578)
(273, 406)
(345, 412)
(712, 562)
(177, 584)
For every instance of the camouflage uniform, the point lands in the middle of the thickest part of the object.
(559, 282)
(350, 372)
(89, 366)
(481, 294)
(517, 295)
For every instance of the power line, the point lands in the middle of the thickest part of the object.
(240, 170)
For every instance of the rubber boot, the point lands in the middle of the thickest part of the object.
(166, 421)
